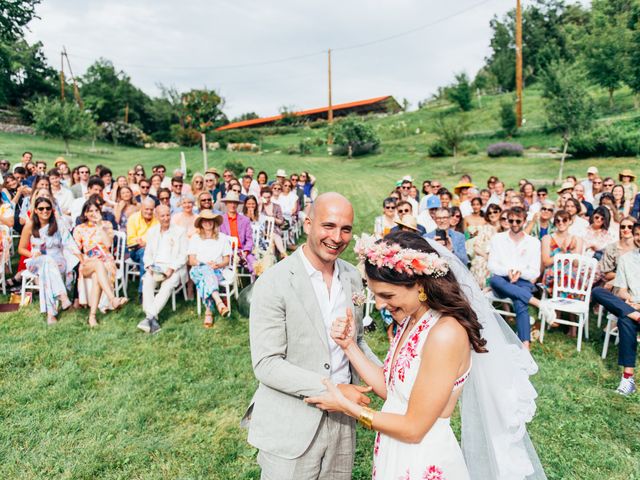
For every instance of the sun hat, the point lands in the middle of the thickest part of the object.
(213, 170)
(433, 202)
(231, 197)
(565, 186)
(593, 170)
(281, 173)
(407, 178)
(60, 160)
(462, 185)
(207, 215)
(626, 173)
(408, 221)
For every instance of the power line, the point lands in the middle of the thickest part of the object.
(305, 55)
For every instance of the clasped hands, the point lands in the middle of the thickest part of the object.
(514, 275)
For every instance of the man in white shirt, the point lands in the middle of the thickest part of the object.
(405, 187)
(165, 258)
(514, 263)
(63, 196)
(592, 172)
(498, 195)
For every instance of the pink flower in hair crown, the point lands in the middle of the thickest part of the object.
(402, 260)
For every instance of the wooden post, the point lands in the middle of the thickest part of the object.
(76, 91)
(183, 164)
(518, 64)
(330, 112)
(204, 152)
(62, 76)
(126, 113)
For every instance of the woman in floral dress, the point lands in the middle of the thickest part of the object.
(480, 258)
(559, 242)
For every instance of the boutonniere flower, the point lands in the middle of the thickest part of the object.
(359, 299)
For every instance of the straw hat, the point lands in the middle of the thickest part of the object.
(565, 186)
(626, 173)
(462, 185)
(593, 170)
(408, 221)
(60, 160)
(213, 170)
(207, 215)
(231, 197)
(281, 173)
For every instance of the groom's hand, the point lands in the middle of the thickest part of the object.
(355, 393)
(343, 330)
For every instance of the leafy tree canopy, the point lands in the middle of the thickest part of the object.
(14, 16)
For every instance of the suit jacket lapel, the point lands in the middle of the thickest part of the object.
(304, 292)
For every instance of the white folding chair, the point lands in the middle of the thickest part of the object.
(29, 283)
(491, 296)
(131, 271)
(268, 229)
(119, 249)
(368, 304)
(5, 257)
(609, 331)
(228, 286)
(572, 277)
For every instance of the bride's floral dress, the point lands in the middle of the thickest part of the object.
(438, 455)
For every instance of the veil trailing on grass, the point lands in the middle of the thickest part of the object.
(498, 399)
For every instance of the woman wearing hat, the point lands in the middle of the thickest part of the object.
(209, 253)
(65, 174)
(628, 180)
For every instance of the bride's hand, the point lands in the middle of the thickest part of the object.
(344, 398)
(343, 330)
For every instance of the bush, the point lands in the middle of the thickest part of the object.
(236, 166)
(460, 92)
(608, 140)
(508, 119)
(504, 149)
(187, 137)
(439, 149)
(120, 133)
(305, 146)
(355, 135)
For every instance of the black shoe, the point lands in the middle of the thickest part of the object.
(155, 326)
(145, 325)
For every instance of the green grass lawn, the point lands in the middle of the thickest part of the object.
(113, 403)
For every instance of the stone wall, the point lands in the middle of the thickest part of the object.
(14, 128)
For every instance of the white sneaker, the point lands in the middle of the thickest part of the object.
(145, 325)
(627, 386)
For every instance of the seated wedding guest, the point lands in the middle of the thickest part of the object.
(156, 184)
(626, 306)
(268, 209)
(443, 222)
(407, 223)
(578, 224)
(209, 253)
(456, 222)
(236, 225)
(186, 218)
(145, 185)
(94, 237)
(627, 178)
(211, 185)
(622, 205)
(578, 194)
(186, 188)
(528, 193)
(46, 258)
(288, 201)
(514, 263)
(385, 222)
(597, 235)
(445, 197)
(197, 184)
(481, 242)
(427, 218)
(164, 196)
(126, 206)
(464, 193)
(161, 170)
(95, 186)
(63, 196)
(475, 219)
(106, 175)
(558, 242)
(106, 212)
(541, 222)
(165, 258)
(175, 198)
(6, 213)
(79, 188)
(65, 173)
(612, 253)
(138, 226)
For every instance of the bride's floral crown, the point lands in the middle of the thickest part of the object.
(402, 260)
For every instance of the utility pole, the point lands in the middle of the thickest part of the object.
(62, 76)
(330, 112)
(126, 113)
(518, 64)
(76, 91)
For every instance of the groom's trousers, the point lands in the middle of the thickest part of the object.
(329, 457)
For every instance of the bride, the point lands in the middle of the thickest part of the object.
(449, 338)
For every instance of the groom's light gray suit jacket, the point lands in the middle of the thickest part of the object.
(290, 355)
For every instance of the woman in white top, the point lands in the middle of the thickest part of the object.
(209, 253)
(578, 224)
(288, 200)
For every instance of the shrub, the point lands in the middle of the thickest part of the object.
(305, 146)
(508, 119)
(451, 132)
(236, 166)
(187, 137)
(460, 92)
(607, 140)
(504, 149)
(439, 149)
(121, 133)
(355, 135)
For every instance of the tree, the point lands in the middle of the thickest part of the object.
(354, 137)
(508, 118)
(569, 108)
(245, 116)
(59, 119)
(451, 132)
(203, 110)
(14, 16)
(460, 93)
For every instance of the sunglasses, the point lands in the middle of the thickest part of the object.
(626, 227)
(435, 186)
(144, 187)
(561, 220)
(597, 183)
(608, 184)
(162, 199)
(197, 181)
(545, 209)
(494, 212)
(234, 190)
(43, 209)
(515, 221)
(597, 217)
(403, 211)
(202, 200)
(389, 207)
(83, 172)
(405, 188)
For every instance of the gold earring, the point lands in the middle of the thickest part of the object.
(421, 295)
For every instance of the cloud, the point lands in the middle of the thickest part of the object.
(182, 43)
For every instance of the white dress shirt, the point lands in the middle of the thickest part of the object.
(333, 304)
(523, 256)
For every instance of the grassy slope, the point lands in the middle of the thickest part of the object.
(113, 403)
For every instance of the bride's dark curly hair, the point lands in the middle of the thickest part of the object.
(443, 293)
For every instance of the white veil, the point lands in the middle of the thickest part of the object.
(498, 399)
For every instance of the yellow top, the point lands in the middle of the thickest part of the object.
(137, 227)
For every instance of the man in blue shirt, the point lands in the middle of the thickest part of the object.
(455, 240)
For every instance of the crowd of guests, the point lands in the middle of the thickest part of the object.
(508, 238)
(172, 234)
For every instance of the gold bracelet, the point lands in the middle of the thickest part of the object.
(366, 418)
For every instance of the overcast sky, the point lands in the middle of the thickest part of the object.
(216, 44)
